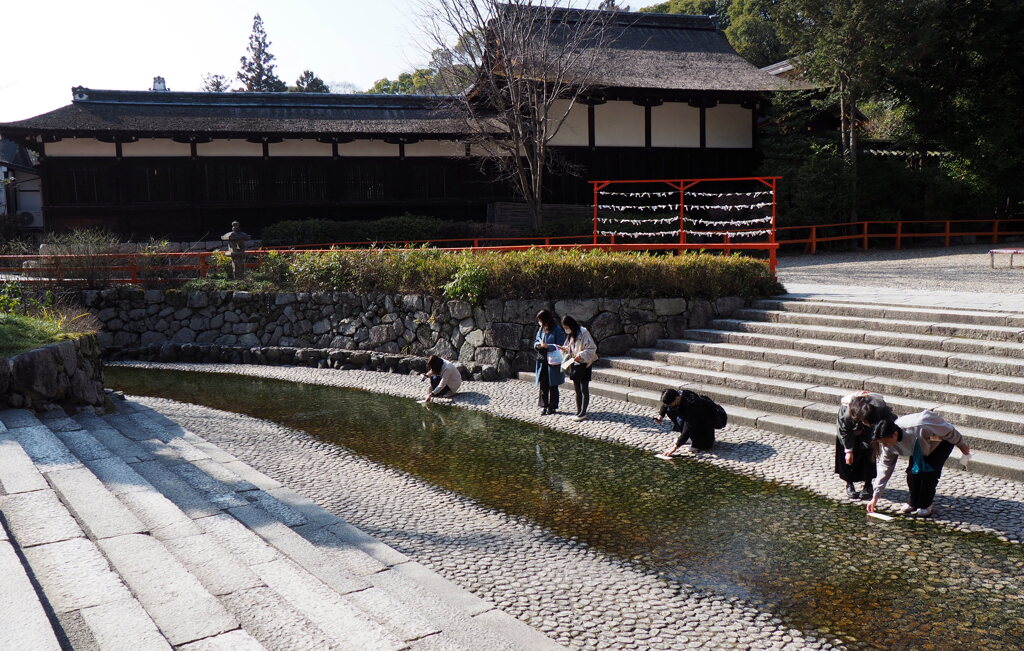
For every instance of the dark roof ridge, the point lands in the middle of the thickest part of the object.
(641, 19)
(82, 95)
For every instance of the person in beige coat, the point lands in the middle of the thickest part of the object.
(581, 349)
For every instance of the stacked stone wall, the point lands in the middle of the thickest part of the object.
(332, 328)
(68, 374)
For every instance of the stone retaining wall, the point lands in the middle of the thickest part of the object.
(155, 324)
(68, 374)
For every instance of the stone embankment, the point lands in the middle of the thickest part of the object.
(316, 329)
(68, 374)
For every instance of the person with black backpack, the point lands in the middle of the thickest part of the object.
(694, 416)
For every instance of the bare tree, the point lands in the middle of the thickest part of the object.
(514, 69)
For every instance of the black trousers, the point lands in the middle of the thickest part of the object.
(922, 485)
(581, 384)
(436, 380)
(701, 436)
(548, 397)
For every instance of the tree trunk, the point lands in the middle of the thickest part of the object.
(843, 125)
(853, 159)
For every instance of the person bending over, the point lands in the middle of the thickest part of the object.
(925, 438)
(690, 417)
(855, 460)
(445, 378)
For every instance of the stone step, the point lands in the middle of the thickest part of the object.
(294, 546)
(819, 405)
(993, 453)
(978, 389)
(898, 312)
(934, 326)
(852, 338)
(999, 411)
(91, 603)
(23, 621)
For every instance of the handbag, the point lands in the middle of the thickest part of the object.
(569, 367)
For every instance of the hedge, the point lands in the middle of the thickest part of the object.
(533, 273)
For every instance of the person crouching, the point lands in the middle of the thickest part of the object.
(445, 378)
(690, 417)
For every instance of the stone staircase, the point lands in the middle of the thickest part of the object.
(129, 532)
(782, 365)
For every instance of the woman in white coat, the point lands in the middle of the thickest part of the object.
(581, 349)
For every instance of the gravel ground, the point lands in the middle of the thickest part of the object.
(955, 269)
(575, 595)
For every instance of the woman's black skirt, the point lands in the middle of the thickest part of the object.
(863, 468)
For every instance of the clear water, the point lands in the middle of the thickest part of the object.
(819, 565)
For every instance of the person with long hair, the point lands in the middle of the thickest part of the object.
(548, 368)
(581, 348)
(445, 378)
(854, 459)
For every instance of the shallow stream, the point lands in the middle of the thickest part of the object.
(818, 564)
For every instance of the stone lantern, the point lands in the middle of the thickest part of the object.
(236, 249)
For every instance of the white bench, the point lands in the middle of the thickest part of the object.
(1009, 252)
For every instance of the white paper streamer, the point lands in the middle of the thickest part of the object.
(635, 222)
(727, 194)
(731, 233)
(635, 235)
(731, 206)
(742, 222)
(653, 207)
(688, 193)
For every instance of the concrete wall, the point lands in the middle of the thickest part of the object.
(68, 374)
(155, 324)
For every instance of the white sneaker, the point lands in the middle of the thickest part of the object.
(923, 513)
(579, 418)
(907, 510)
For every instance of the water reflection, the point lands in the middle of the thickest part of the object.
(819, 565)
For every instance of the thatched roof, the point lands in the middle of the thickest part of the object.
(172, 114)
(666, 52)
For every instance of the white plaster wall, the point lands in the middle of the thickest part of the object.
(155, 147)
(619, 124)
(675, 124)
(229, 148)
(448, 148)
(574, 131)
(80, 147)
(729, 127)
(367, 148)
(300, 148)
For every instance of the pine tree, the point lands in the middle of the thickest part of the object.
(257, 73)
(215, 83)
(310, 83)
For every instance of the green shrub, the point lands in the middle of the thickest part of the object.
(534, 273)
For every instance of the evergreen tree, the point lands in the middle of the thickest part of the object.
(611, 5)
(310, 83)
(215, 83)
(751, 31)
(257, 73)
(717, 8)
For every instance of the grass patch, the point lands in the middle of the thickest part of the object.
(19, 333)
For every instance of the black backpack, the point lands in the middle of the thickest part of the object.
(715, 412)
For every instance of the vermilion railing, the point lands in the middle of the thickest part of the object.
(157, 268)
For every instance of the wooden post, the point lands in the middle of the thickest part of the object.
(947, 231)
(133, 267)
(595, 212)
(814, 239)
(203, 264)
(899, 235)
(865, 236)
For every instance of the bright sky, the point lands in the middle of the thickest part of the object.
(52, 45)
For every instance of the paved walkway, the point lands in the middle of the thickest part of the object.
(948, 277)
(576, 596)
